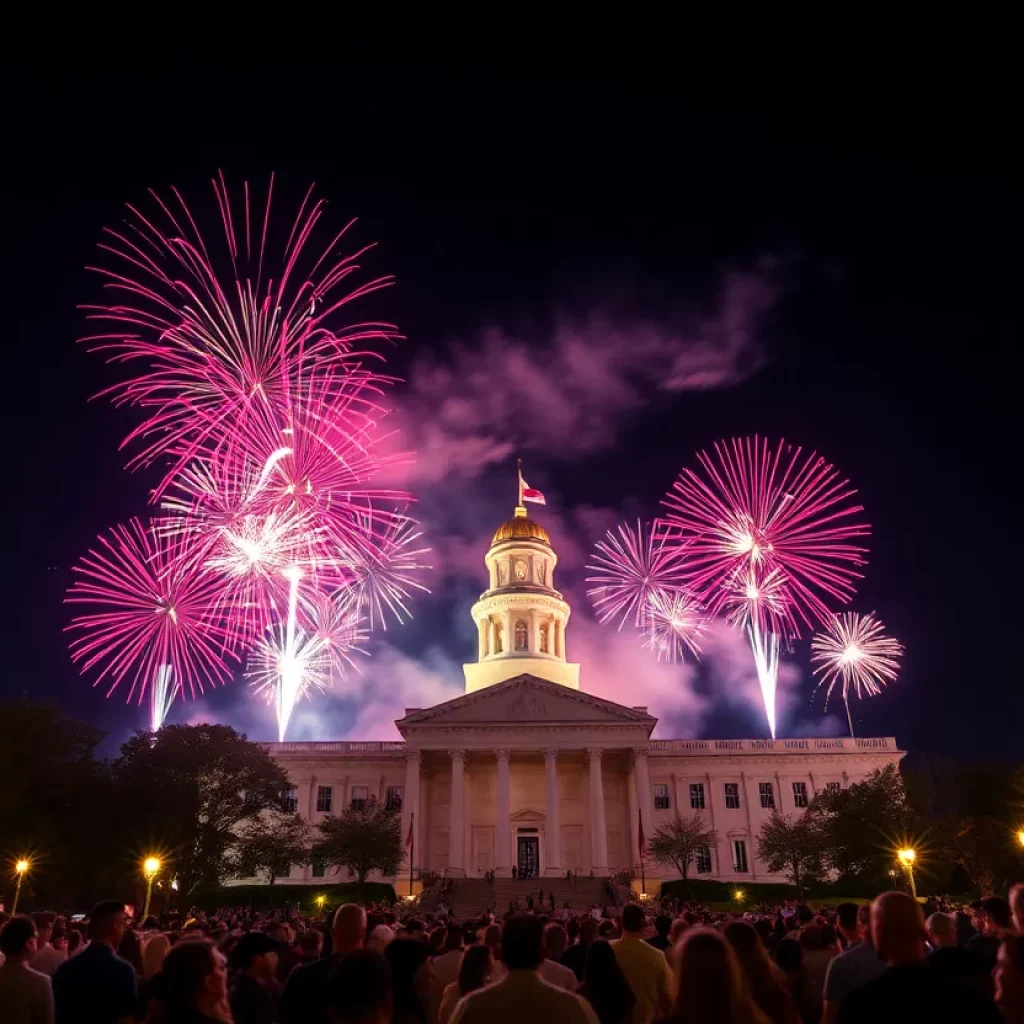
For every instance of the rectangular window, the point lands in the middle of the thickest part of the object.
(703, 860)
(324, 799)
(661, 800)
(393, 798)
(290, 800)
(832, 787)
(800, 794)
(358, 797)
(767, 794)
(732, 796)
(319, 869)
(697, 796)
(739, 856)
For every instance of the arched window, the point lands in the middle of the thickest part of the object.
(544, 638)
(498, 648)
(522, 636)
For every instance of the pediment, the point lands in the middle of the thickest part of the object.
(526, 699)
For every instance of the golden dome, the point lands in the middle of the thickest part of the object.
(521, 528)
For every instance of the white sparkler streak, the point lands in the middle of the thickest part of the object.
(268, 466)
(161, 695)
(766, 658)
(290, 680)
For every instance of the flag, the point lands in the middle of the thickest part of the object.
(641, 837)
(529, 493)
(408, 838)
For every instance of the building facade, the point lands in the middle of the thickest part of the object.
(527, 770)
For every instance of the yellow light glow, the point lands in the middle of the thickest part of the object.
(21, 867)
(906, 856)
(738, 895)
(643, 895)
(1020, 837)
(321, 900)
(151, 865)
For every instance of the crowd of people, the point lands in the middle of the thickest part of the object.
(892, 960)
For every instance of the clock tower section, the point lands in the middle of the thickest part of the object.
(521, 618)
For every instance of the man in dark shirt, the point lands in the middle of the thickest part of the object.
(951, 960)
(662, 926)
(910, 990)
(96, 986)
(306, 995)
(991, 916)
(575, 957)
(251, 998)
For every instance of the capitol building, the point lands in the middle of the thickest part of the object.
(527, 770)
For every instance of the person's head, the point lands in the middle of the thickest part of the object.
(453, 939)
(107, 923)
(476, 969)
(994, 915)
(633, 920)
(588, 930)
(1009, 976)
(1017, 907)
(348, 929)
(555, 940)
(846, 921)
(663, 925)
(359, 989)
(310, 942)
(492, 939)
(864, 922)
(941, 930)
(679, 925)
(193, 976)
(572, 929)
(130, 949)
(153, 954)
(412, 973)
(790, 956)
(415, 928)
(75, 941)
(829, 939)
(379, 939)
(897, 928)
(804, 914)
(44, 927)
(257, 953)
(280, 932)
(710, 983)
(606, 929)
(745, 941)
(810, 938)
(605, 984)
(522, 943)
(18, 938)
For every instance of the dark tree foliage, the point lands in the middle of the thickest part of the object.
(365, 838)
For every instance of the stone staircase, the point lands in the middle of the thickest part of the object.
(474, 896)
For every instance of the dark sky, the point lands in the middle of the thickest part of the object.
(890, 228)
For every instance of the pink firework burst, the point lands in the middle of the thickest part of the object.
(675, 623)
(632, 568)
(854, 652)
(218, 333)
(770, 509)
(152, 623)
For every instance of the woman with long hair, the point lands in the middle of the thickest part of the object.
(764, 979)
(130, 949)
(711, 989)
(192, 986)
(153, 955)
(412, 976)
(605, 987)
(476, 971)
(790, 958)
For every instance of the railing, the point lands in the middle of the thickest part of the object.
(337, 747)
(844, 743)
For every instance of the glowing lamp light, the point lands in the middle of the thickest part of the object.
(906, 856)
(21, 866)
(320, 901)
(1020, 836)
(739, 895)
(151, 865)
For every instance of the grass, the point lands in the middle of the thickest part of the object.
(275, 896)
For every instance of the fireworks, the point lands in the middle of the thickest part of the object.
(633, 569)
(854, 651)
(770, 537)
(265, 415)
(674, 624)
(153, 626)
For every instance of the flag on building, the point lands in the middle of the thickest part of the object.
(528, 493)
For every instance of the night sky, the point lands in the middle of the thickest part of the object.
(845, 281)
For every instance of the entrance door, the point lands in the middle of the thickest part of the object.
(529, 856)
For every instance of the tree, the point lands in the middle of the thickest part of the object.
(792, 846)
(365, 838)
(190, 788)
(863, 824)
(270, 844)
(677, 842)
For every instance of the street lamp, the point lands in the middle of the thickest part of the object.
(907, 857)
(20, 868)
(150, 868)
(739, 896)
(320, 901)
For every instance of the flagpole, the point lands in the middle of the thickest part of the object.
(643, 865)
(519, 464)
(412, 847)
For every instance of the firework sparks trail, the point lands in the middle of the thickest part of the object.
(634, 568)
(771, 535)
(854, 652)
(674, 625)
(152, 617)
(161, 696)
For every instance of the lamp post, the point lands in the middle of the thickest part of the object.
(907, 857)
(1020, 836)
(20, 868)
(150, 868)
(320, 901)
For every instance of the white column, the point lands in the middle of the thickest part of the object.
(598, 829)
(643, 795)
(483, 632)
(534, 632)
(411, 816)
(307, 871)
(679, 794)
(634, 846)
(709, 788)
(751, 862)
(553, 831)
(491, 638)
(457, 816)
(503, 853)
